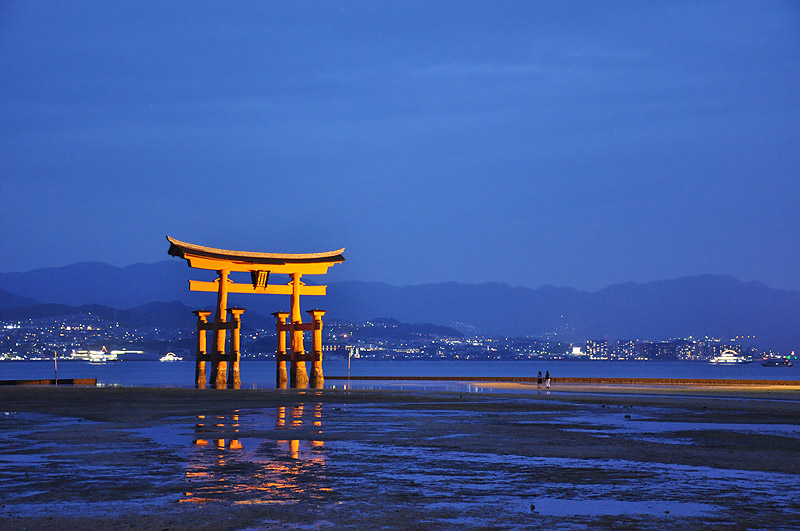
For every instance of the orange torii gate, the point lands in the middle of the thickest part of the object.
(259, 265)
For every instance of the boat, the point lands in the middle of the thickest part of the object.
(170, 356)
(777, 362)
(95, 357)
(729, 357)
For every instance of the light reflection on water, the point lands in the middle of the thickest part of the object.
(222, 465)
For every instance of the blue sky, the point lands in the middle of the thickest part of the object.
(567, 143)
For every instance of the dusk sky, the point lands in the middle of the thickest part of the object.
(567, 143)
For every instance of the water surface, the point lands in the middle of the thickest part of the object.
(261, 374)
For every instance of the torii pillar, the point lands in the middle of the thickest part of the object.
(201, 352)
(234, 375)
(317, 378)
(281, 374)
(219, 364)
(299, 373)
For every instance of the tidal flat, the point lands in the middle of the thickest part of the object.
(156, 458)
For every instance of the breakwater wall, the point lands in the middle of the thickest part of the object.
(60, 381)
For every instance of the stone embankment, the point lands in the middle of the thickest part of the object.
(60, 381)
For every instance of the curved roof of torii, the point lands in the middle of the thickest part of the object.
(186, 250)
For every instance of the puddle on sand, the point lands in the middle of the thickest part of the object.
(107, 508)
(167, 435)
(480, 480)
(592, 507)
(610, 433)
(610, 507)
(639, 424)
(21, 458)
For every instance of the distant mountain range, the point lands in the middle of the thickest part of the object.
(9, 300)
(714, 305)
(151, 314)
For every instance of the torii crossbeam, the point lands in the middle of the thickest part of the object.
(259, 265)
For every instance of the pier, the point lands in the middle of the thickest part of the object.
(51, 381)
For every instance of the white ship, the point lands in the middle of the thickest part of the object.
(170, 356)
(729, 357)
(95, 356)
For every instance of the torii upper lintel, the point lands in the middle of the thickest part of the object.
(202, 257)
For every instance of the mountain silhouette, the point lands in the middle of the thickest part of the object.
(713, 305)
(174, 314)
(9, 300)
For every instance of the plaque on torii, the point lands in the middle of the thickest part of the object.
(259, 266)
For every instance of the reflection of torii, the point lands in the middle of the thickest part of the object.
(223, 467)
(259, 265)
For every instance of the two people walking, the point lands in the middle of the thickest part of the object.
(546, 380)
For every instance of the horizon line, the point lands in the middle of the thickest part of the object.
(412, 285)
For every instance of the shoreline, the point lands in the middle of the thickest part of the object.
(587, 380)
(759, 389)
(791, 393)
(123, 404)
(783, 389)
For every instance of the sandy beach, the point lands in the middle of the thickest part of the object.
(508, 456)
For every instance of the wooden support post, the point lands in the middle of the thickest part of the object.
(234, 377)
(299, 374)
(202, 349)
(281, 375)
(317, 378)
(219, 367)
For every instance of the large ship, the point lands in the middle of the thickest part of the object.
(777, 362)
(729, 357)
(95, 356)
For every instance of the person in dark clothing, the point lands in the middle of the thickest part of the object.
(539, 380)
(547, 379)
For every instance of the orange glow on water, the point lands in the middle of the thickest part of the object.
(255, 471)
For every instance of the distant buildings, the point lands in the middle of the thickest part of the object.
(597, 349)
(625, 349)
(377, 339)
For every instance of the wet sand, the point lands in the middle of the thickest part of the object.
(593, 457)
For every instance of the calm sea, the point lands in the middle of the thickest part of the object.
(261, 374)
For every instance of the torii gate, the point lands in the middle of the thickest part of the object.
(259, 265)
